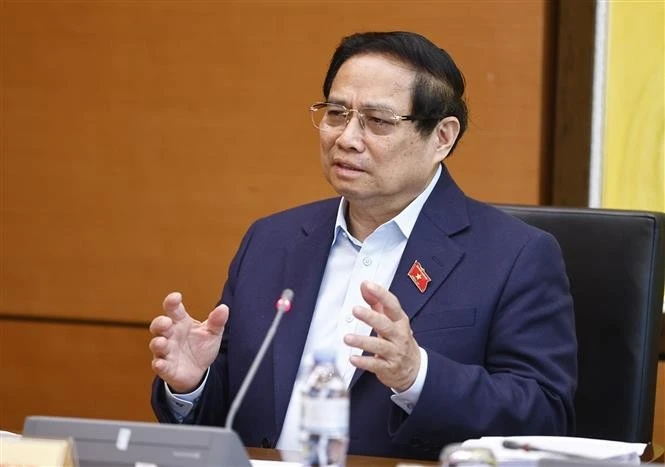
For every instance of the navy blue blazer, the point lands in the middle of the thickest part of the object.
(496, 321)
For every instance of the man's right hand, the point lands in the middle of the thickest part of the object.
(183, 348)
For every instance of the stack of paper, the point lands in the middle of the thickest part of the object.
(558, 447)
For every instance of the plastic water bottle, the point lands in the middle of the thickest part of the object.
(324, 421)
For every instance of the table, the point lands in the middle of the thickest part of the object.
(652, 453)
(351, 461)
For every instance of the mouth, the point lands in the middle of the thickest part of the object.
(347, 166)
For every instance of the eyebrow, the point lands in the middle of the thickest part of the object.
(364, 106)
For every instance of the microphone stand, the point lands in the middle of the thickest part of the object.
(283, 305)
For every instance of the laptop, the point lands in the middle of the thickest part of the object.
(115, 443)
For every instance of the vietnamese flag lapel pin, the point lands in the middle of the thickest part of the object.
(419, 276)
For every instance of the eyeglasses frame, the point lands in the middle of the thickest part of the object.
(361, 116)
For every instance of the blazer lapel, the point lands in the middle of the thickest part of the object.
(305, 260)
(438, 256)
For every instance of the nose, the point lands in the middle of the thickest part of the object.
(352, 136)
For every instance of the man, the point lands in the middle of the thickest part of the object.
(451, 319)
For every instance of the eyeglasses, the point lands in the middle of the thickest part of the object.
(335, 117)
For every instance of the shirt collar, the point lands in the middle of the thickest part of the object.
(405, 220)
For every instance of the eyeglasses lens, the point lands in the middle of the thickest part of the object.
(334, 118)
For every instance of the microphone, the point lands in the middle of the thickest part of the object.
(511, 444)
(283, 305)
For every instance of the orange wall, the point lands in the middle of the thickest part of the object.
(140, 139)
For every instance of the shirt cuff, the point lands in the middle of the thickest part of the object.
(182, 404)
(407, 400)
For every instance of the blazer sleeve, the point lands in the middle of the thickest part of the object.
(213, 405)
(528, 380)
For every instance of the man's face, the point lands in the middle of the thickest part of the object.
(379, 175)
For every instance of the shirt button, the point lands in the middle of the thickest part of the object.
(367, 260)
(349, 318)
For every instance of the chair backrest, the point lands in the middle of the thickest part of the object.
(616, 265)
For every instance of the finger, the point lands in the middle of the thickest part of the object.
(370, 344)
(159, 347)
(369, 363)
(174, 308)
(378, 321)
(161, 367)
(396, 375)
(164, 369)
(381, 300)
(217, 319)
(161, 326)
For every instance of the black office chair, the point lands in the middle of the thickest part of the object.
(616, 265)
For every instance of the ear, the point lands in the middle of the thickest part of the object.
(445, 135)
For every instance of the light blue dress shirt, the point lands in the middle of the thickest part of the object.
(350, 262)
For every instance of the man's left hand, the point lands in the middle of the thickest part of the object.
(395, 355)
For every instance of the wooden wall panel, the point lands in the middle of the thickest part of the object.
(571, 144)
(140, 139)
(73, 370)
